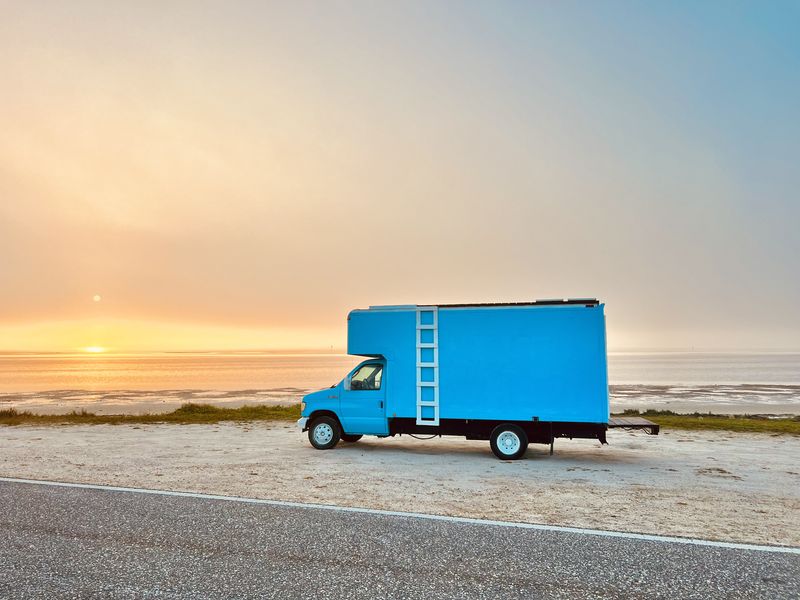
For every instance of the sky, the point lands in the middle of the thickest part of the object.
(238, 175)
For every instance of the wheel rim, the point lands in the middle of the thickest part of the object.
(323, 433)
(508, 443)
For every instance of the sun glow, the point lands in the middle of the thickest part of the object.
(105, 336)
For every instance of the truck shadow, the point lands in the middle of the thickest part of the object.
(449, 451)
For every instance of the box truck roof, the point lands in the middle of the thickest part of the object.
(547, 302)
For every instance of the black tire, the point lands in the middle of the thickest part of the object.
(324, 432)
(346, 437)
(511, 446)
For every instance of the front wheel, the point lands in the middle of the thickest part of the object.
(508, 441)
(351, 438)
(324, 433)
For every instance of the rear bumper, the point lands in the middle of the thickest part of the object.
(302, 422)
(631, 423)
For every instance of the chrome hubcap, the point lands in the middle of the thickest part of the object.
(323, 433)
(508, 442)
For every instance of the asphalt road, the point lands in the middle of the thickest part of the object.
(60, 542)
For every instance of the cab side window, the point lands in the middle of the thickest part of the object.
(367, 377)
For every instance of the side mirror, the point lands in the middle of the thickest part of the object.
(347, 384)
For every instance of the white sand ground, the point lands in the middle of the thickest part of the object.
(737, 487)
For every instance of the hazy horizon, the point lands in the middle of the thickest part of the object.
(220, 177)
(342, 351)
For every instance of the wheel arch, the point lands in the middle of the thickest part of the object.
(323, 413)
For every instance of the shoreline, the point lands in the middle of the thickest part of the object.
(726, 399)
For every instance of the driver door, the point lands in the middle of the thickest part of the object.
(363, 400)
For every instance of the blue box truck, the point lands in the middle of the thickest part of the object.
(511, 373)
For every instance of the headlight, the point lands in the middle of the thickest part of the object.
(302, 406)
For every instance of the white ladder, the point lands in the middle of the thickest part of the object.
(427, 365)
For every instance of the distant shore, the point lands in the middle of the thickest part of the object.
(190, 413)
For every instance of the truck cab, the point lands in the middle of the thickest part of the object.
(357, 403)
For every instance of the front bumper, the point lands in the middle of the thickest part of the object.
(301, 423)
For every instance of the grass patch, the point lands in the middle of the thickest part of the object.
(206, 413)
(741, 423)
(186, 414)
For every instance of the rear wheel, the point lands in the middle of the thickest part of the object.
(508, 441)
(324, 432)
(351, 438)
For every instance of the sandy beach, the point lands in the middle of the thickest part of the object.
(716, 485)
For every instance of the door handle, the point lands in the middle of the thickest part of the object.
(381, 404)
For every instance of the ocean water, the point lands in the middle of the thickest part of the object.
(106, 383)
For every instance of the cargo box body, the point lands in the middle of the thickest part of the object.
(537, 362)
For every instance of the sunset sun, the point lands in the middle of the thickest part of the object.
(94, 349)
